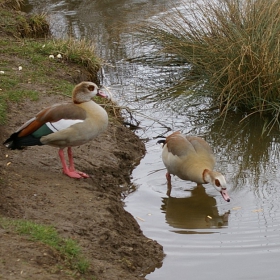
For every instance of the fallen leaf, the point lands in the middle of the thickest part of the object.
(257, 210)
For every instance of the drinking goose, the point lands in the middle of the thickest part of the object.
(191, 159)
(65, 125)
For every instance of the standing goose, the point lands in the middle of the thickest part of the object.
(191, 159)
(65, 125)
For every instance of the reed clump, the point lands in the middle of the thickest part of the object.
(33, 26)
(232, 48)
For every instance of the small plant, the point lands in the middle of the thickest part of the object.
(33, 26)
(49, 236)
(78, 51)
(230, 50)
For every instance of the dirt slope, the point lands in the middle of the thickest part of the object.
(90, 211)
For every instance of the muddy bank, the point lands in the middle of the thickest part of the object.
(87, 210)
(32, 186)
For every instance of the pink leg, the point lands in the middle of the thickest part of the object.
(168, 177)
(71, 164)
(66, 170)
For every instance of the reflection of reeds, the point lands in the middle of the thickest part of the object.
(233, 50)
(242, 151)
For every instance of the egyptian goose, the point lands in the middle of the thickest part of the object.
(65, 125)
(191, 159)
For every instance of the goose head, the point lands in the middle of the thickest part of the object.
(85, 91)
(218, 181)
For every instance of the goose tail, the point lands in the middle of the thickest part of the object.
(18, 143)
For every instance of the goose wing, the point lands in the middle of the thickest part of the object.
(179, 145)
(55, 113)
(52, 114)
(199, 144)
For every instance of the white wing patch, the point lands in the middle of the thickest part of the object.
(61, 124)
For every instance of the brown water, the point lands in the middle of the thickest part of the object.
(203, 236)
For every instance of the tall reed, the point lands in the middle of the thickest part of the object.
(232, 48)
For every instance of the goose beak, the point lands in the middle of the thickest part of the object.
(102, 94)
(225, 195)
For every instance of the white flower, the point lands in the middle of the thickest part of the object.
(2, 72)
(20, 68)
(59, 56)
(51, 56)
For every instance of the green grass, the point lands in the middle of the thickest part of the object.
(16, 84)
(39, 72)
(68, 248)
(231, 48)
(77, 51)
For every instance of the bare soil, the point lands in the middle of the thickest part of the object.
(90, 211)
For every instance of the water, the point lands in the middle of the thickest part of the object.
(203, 236)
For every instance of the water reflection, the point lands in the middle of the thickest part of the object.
(199, 211)
(250, 156)
(245, 154)
(106, 22)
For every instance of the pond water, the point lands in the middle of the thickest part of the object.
(203, 236)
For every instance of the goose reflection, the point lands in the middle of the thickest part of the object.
(198, 211)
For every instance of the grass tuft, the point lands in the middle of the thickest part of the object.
(77, 51)
(68, 248)
(33, 26)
